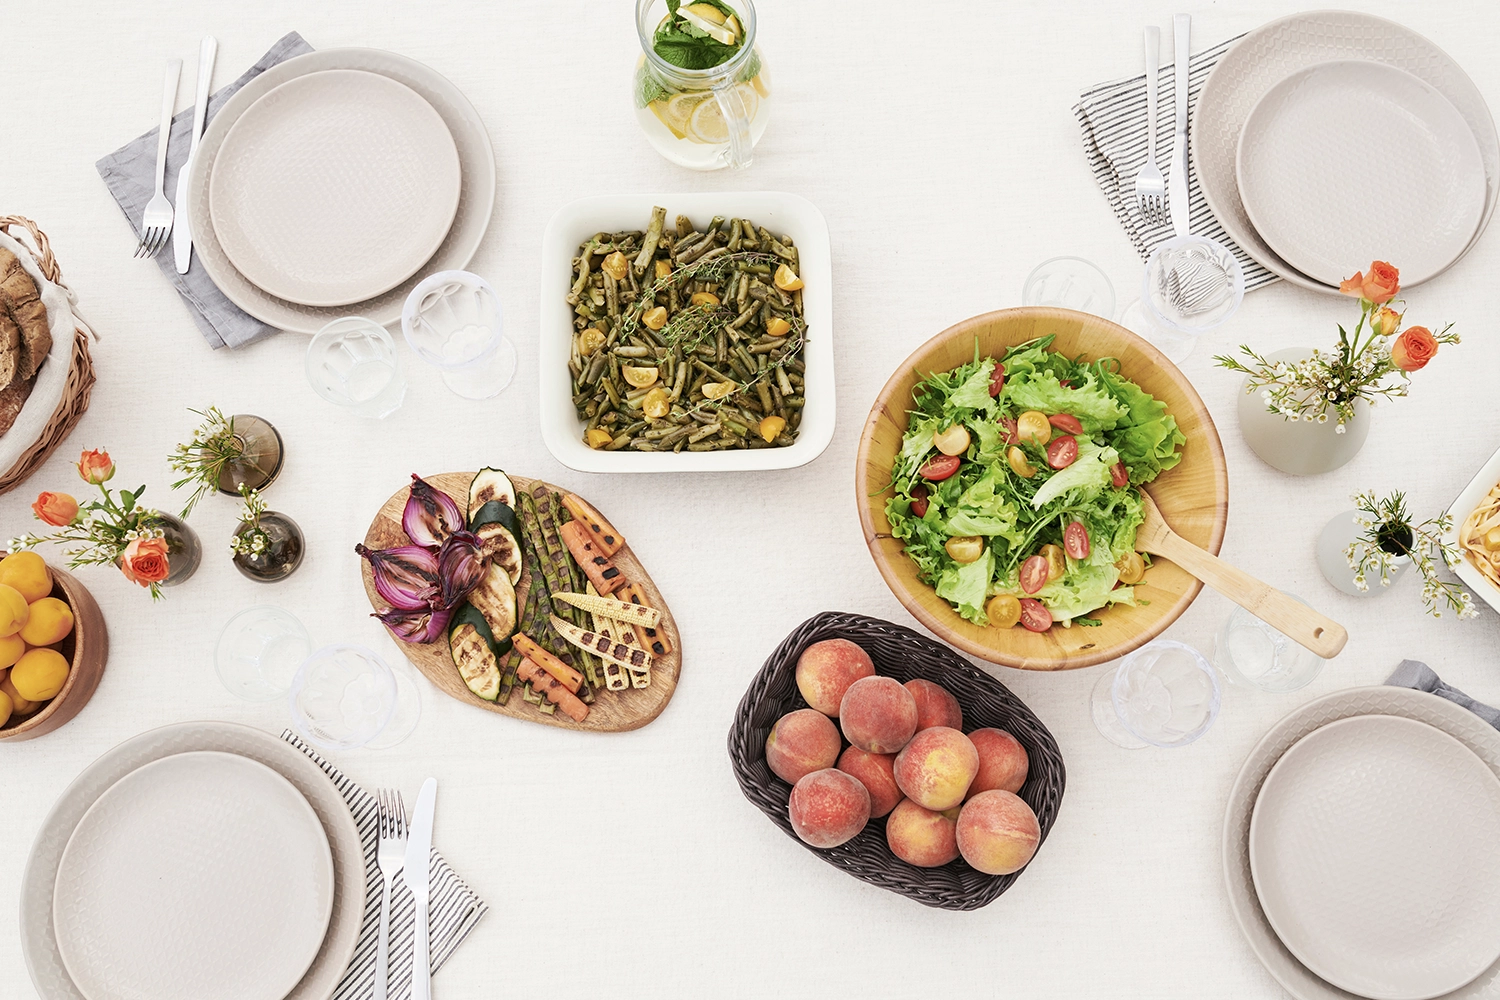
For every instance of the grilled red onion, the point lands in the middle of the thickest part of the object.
(406, 577)
(430, 515)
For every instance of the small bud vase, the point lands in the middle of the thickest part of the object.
(1334, 541)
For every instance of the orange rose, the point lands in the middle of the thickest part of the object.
(1385, 321)
(1413, 349)
(95, 467)
(1379, 286)
(145, 561)
(57, 509)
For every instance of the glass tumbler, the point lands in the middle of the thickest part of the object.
(352, 362)
(1191, 285)
(1163, 694)
(453, 321)
(346, 696)
(1255, 654)
(1070, 283)
(259, 652)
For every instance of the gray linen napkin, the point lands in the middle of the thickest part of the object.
(130, 174)
(1415, 674)
(452, 913)
(1113, 119)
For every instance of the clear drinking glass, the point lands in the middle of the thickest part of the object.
(259, 652)
(704, 119)
(1253, 653)
(1070, 283)
(1164, 694)
(352, 362)
(453, 321)
(346, 696)
(1192, 285)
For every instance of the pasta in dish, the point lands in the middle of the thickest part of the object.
(1479, 537)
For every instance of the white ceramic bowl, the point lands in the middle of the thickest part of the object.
(1461, 507)
(779, 212)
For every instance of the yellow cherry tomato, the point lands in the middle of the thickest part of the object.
(1132, 568)
(663, 270)
(1034, 426)
(596, 437)
(655, 319)
(965, 548)
(786, 279)
(771, 428)
(707, 299)
(1018, 464)
(953, 441)
(718, 390)
(778, 327)
(1003, 610)
(657, 403)
(1057, 561)
(615, 265)
(589, 341)
(640, 377)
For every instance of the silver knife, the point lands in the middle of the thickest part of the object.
(415, 875)
(182, 233)
(1177, 179)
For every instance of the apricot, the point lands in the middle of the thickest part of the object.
(878, 714)
(826, 669)
(920, 836)
(828, 807)
(874, 771)
(20, 705)
(997, 832)
(802, 742)
(5, 708)
(936, 768)
(28, 573)
(39, 674)
(13, 610)
(935, 706)
(48, 621)
(1003, 762)
(11, 648)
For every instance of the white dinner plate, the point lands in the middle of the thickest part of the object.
(200, 874)
(1274, 51)
(334, 187)
(475, 203)
(39, 944)
(1329, 198)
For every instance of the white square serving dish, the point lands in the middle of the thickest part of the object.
(1461, 507)
(779, 212)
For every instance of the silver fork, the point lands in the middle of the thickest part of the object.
(391, 857)
(1150, 189)
(156, 221)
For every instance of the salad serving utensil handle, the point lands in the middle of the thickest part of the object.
(1292, 618)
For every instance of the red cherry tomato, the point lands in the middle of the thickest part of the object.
(939, 467)
(1063, 452)
(919, 500)
(1065, 383)
(1034, 615)
(1034, 574)
(1066, 422)
(1011, 429)
(997, 380)
(1118, 476)
(1076, 540)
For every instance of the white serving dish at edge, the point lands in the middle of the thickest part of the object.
(779, 212)
(1465, 502)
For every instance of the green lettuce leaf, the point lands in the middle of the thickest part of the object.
(1092, 404)
(1089, 474)
(967, 586)
(974, 393)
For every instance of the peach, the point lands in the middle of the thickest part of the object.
(878, 714)
(997, 832)
(920, 836)
(802, 742)
(875, 772)
(935, 706)
(826, 669)
(828, 807)
(936, 768)
(1002, 761)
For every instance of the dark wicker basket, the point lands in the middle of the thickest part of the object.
(903, 654)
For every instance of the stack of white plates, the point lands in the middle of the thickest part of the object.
(332, 183)
(202, 859)
(1326, 140)
(1362, 849)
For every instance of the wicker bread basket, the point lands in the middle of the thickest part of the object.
(903, 654)
(80, 382)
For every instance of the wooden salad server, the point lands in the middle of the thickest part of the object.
(1291, 617)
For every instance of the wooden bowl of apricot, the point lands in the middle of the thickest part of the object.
(53, 647)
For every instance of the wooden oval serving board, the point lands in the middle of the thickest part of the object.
(612, 711)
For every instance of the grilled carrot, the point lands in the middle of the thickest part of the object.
(546, 684)
(566, 675)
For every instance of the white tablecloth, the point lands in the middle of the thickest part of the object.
(940, 145)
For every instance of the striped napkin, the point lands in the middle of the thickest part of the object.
(1113, 119)
(454, 908)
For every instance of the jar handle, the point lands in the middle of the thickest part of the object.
(737, 120)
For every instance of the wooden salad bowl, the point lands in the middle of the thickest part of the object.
(612, 711)
(1193, 497)
(86, 650)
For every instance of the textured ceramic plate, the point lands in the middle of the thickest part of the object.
(315, 178)
(476, 197)
(1309, 199)
(1372, 846)
(201, 874)
(38, 942)
(1459, 723)
(1276, 50)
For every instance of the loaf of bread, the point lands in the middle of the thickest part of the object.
(21, 301)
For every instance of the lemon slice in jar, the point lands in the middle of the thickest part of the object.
(675, 111)
(706, 124)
